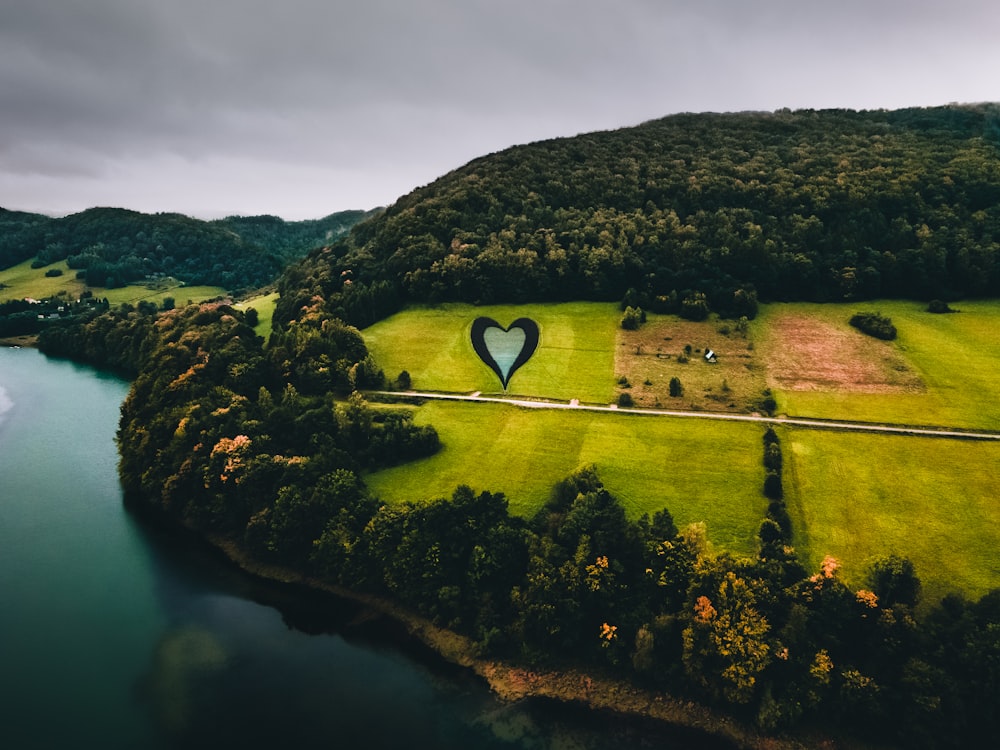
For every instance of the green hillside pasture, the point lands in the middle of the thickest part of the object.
(861, 496)
(21, 281)
(182, 295)
(264, 305)
(953, 359)
(699, 470)
(575, 356)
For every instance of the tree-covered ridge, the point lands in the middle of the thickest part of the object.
(805, 205)
(112, 246)
(290, 239)
(14, 227)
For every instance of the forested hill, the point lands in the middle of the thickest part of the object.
(115, 246)
(816, 205)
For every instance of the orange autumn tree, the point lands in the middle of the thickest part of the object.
(725, 646)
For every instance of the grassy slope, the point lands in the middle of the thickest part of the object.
(858, 496)
(931, 500)
(264, 305)
(957, 356)
(575, 356)
(22, 281)
(704, 471)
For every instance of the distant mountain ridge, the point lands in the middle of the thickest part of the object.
(808, 205)
(114, 246)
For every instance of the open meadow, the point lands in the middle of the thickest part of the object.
(709, 471)
(22, 281)
(858, 496)
(575, 356)
(853, 496)
(668, 347)
(264, 304)
(943, 369)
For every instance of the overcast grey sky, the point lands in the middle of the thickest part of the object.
(304, 107)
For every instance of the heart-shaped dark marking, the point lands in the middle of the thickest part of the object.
(504, 350)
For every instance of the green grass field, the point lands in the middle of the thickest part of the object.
(264, 305)
(575, 356)
(699, 471)
(858, 496)
(956, 356)
(20, 281)
(853, 496)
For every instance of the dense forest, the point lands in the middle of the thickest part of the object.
(267, 446)
(112, 247)
(804, 205)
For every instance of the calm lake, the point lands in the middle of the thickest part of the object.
(114, 633)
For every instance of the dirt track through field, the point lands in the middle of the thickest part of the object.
(816, 424)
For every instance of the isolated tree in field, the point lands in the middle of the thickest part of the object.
(874, 324)
(768, 404)
(632, 318)
(676, 389)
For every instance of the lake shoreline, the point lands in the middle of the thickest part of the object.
(509, 682)
(17, 342)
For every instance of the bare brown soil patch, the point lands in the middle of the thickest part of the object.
(649, 357)
(806, 353)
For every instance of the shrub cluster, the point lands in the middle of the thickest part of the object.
(939, 306)
(874, 324)
(632, 318)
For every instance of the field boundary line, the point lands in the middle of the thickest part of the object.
(951, 433)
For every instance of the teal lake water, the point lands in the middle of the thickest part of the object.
(116, 634)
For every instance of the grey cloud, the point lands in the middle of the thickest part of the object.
(401, 91)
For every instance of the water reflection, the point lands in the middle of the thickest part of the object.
(241, 662)
(117, 632)
(260, 664)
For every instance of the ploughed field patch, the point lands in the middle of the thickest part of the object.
(807, 353)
